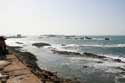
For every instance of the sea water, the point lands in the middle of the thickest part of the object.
(85, 69)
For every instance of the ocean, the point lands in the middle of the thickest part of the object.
(72, 66)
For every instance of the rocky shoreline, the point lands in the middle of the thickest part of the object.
(30, 61)
(86, 54)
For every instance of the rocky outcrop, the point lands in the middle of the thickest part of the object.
(40, 44)
(45, 76)
(14, 71)
(93, 55)
(86, 37)
(65, 52)
(107, 38)
(118, 60)
(86, 54)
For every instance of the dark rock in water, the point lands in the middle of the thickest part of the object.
(15, 47)
(88, 37)
(19, 42)
(41, 44)
(66, 52)
(51, 35)
(107, 38)
(85, 66)
(90, 54)
(93, 55)
(121, 68)
(99, 62)
(101, 57)
(123, 72)
(69, 37)
(118, 60)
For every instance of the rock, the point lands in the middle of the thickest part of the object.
(19, 42)
(4, 64)
(51, 35)
(107, 38)
(65, 52)
(101, 57)
(3, 76)
(85, 66)
(41, 44)
(90, 54)
(93, 55)
(123, 72)
(121, 68)
(118, 60)
(99, 62)
(86, 37)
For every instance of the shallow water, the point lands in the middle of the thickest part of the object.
(86, 69)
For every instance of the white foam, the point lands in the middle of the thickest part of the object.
(73, 45)
(13, 43)
(95, 45)
(84, 58)
(60, 48)
(98, 39)
(108, 66)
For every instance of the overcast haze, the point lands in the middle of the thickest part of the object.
(87, 17)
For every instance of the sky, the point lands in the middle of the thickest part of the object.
(70, 17)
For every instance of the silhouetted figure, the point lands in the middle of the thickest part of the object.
(3, 49)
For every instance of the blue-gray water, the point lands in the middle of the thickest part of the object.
(73, 66)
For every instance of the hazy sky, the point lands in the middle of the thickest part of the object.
(87, 17)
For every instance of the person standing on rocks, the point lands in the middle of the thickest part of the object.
(3, 49)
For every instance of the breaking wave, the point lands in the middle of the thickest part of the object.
(95, 45)
(59, 49)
